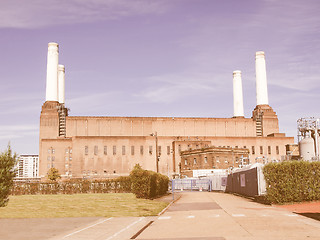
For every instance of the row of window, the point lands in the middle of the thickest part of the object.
(52, 150)
(269, 150)
(124, 150)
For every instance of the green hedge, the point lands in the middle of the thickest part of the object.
(121, 184)
(293, 181)
(148, 184)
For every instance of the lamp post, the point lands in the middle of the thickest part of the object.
(157, 154)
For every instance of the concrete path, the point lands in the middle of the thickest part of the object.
(204, 215)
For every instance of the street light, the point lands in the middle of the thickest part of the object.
(157, 155)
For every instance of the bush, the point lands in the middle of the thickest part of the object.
(293, 181)
(7, 163)
(148, 184)
(73, 186)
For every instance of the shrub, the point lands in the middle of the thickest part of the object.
(7, 163)
(293, 181)
(53, 174)
(148, 184)
(72, 186)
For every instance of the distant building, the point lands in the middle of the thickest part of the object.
(106, 146)
(28, 166)
(213, 158)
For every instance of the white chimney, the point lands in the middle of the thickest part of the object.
(52, 72)
(61, 83)
(261, 79)
(237, 95)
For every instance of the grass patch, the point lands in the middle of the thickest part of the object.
(80, 205)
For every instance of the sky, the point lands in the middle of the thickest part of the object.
(172, 58)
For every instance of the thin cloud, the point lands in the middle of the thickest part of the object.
(39, 13)
(170, 88)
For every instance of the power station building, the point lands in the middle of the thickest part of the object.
(105, 146)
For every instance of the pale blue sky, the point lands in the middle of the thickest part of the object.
(156, 58)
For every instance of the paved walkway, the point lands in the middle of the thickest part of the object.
(203, 215)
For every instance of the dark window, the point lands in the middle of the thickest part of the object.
(86, 150)
(269, 149)
(132, 150)
(277, 150)
(253, 150)
(261, 149)
(168, 150)
(123, 150)
(95, 150)
(114, 150)
(150, 149)
(141, 150)
(159, 150)
(105, 150)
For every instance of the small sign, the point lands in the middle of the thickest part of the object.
(242, 180)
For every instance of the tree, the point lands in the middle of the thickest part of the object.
(53, 174)
(7, 163)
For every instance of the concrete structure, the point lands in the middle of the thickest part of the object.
(237, 95)
(52, 72)
(61, 83)
(81, 146)
(28, 166)
(261, 79)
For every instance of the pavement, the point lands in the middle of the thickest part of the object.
(194, 216)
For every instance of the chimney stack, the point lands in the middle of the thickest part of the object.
(261, 79)
(237, 95)
(61, 83)
(52, 72)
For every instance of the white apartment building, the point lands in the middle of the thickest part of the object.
(28, 166)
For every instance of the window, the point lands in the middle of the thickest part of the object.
(132, 150)
(141, 150)
(194, 161)
(86, 150)
(253, 150)
(269, 149)
(244, 146)
(114, 150)
(95, 150)
(217, 159)
(123, 150)
(261, 150)
(168, 150)
(159, 150)
(277, 150)
(186, 162)
(236, 147)
(150, 149)
(105, 150)
(205, 160)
